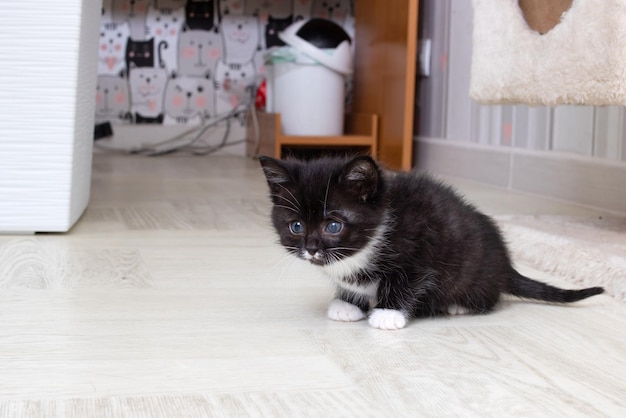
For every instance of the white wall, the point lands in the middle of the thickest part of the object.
(576, 153)
(443, 98)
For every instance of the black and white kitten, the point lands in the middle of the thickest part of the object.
(396, 245)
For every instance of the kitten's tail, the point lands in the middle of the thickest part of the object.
(525, 287)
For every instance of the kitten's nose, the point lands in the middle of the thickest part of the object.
(312, 244)
(311, 249)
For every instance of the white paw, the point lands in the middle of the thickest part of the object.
(457, 310)
(387, 319)
(340, 310)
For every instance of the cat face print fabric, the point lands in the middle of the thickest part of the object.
(186, 61)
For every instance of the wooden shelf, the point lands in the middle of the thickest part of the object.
(384, 73)
(384, 89)
(361, 132)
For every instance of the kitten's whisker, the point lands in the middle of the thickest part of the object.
(295, 206)
(326, 195)
(344, 248)
(297, 203)
(280, 269)
(286, 261)
(333, 257)
(288, 208)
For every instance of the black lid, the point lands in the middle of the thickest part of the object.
(323, 33)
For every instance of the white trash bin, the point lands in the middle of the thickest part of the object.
(306, 83)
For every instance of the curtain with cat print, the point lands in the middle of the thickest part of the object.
(179, 62)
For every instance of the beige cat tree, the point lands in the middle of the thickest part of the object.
(549, 52)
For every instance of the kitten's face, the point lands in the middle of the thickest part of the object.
(327, 209)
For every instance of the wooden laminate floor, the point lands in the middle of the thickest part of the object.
(170, 298)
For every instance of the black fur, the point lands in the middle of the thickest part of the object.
(437, 251)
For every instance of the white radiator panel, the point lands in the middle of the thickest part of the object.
(48, 56)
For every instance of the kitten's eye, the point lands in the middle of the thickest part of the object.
(296, 228)
(334, 227)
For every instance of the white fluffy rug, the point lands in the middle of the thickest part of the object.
(586, 251)
(579, 61)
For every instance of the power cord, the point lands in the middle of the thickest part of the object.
(257, 130)
(190, 143)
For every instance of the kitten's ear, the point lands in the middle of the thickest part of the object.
(361, 177)
(275, 171)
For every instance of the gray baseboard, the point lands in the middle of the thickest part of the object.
(583, 180)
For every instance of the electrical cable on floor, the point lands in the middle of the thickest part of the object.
(184, 143)
(257, 130)
(170, 146)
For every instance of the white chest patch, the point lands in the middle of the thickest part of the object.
(368, 291)
(342, 271)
